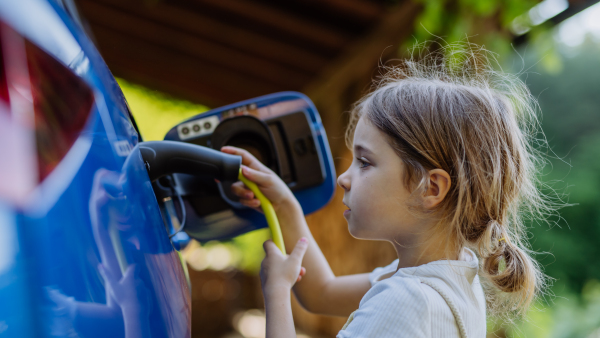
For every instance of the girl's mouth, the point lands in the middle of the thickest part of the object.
(346, 212)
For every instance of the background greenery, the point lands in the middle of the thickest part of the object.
(569, 100)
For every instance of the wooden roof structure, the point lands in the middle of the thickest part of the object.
(221, 51)
(217, 52)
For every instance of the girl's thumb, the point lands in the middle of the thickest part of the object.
(269, 247)
(299, 249)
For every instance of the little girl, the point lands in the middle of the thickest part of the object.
(443, 170)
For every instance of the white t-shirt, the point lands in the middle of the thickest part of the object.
(422, 301)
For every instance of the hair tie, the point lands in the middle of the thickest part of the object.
(502, 239)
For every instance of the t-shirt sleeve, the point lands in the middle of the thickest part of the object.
(393, 266)
(394, 307)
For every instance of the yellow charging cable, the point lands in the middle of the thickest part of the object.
(267, 208)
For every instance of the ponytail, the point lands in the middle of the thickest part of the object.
(507, 268)
(510, 269)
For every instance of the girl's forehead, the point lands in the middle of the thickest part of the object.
(365, 131)
(367, 137)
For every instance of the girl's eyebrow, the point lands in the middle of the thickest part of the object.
(362, 149)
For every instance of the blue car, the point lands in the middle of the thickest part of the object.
(89, 226)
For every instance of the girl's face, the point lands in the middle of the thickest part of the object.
(374, 190)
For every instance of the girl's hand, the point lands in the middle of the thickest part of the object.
(267, 181)
(129, 291)
(279, 273)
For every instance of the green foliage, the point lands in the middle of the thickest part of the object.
(514, 8)
(156, 113)
(570, 119)
(251, 246)
(543, 43)
(485, 22)
(454, 20)
(484, 8)
(571, 315)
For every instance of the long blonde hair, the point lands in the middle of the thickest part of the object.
(451, 110)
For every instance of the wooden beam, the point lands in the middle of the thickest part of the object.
(200, 49)
(363, 10)
(362, 56)
(330, 90)
(282, 53)
(282, 21)
(165, 81)
(188, 79)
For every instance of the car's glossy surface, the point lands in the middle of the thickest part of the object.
(84, 252)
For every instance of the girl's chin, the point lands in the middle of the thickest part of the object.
(359, 232)
(355, 231)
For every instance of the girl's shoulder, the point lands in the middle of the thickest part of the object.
(397, 287)
(413, 295)
(391, 308)
(465, 268)
(415, 306)
(444, 290)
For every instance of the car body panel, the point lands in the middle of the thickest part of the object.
(89, 255)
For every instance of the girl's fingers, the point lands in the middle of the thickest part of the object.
(251, 203)
(271, 248)
(247, 158)
(302, 273)
(240, 190)
(258, 177)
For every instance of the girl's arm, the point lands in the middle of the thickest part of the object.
(277, 276)
(320, 291)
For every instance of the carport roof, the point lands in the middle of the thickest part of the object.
(221, 51)
(217, 52)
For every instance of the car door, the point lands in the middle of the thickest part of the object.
(85, 251)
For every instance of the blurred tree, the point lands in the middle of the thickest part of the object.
(156, 113)
(570, 103)
(483, 21)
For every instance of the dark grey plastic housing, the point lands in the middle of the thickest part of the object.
(170, 157)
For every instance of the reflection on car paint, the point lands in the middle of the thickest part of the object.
(143, 297)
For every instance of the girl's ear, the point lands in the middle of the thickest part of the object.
(439, 185)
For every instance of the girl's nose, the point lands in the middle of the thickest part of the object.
(344, 181)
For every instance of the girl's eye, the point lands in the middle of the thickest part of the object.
(363, 164)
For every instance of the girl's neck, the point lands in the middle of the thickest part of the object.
(423, 251)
